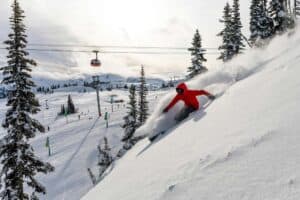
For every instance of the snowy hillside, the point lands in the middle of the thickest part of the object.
(74, 141)
(245, 145)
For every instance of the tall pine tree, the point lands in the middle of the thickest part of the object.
(261, 25)
(255, 14)
(237, 37)
(19, 164)
(130, 119)
(130, 123)
(143, 103)
(282, 19)
(197, 54)
(227, 44)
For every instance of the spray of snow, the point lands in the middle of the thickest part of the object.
(217, 81)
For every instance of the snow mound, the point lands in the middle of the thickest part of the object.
(244, 146)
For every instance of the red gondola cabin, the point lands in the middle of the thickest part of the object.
(96, 62)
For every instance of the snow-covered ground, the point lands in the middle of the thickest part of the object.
(73, 141)
(245, 145)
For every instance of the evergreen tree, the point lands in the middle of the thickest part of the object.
(226, 34)
(62, 110)
(104, 157)
(71, 108)
(255, 14)
(130, 119)
(130, 123)
(237, 37)
(143, 103)
(19, 164)
(282, 19)
(197, 57)
(261, 25)
(297, 8)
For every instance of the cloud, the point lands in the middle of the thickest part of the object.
(136, 23)
(125, 34)
(41, 30)
(176, 26)
(54, 34)
(131, 61)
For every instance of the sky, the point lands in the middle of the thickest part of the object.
(169, 23)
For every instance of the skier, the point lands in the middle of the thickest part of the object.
(190, 100)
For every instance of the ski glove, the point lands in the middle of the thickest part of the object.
(165, 110)
(211, 97)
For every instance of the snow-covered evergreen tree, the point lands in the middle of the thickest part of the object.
(297, 8)
(197, 53)
(291, 18)
(143, 103)
(19, 164)
(71, 107)
(130, 119)
(261, 25)
(237, 36)
(227, 44)
(255, 14)
(282, 19)
(104, 157)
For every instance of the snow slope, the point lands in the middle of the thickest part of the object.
(245, 145)
(73, 141)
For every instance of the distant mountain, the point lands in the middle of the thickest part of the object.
(107, 78)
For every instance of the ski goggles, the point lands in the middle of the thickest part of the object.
(179, 90)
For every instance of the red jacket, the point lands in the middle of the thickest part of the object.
(188, 96)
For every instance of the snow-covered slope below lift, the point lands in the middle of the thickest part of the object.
(245, 145)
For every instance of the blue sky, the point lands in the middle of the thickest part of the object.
(122, 22)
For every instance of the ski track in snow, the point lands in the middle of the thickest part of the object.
(76, 152)
(74, 144)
